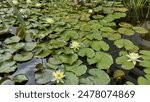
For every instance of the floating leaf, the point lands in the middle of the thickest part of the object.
(125, 25)
(44, 76)
(125, 64)
(29, 46)
(69, 34)
(71, 79)
(127, 44)
(23, 56)
(20, 78)
(126, 31)
(102, 60)
(140, 30)
(15, 47)
(13, 39)
(78, 70)
(98, 45)
(5, 56)
(7, 66)
(120, 9)
(86, 52)
(69, 59)
(144, 80)
(98, 77)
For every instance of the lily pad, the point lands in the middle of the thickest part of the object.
(123, 61)
(102, 60)
(126, 31)
(7, 66)
(98, 45)
(44, 76)
(144, 80)
(86, 52)
(69, 59)
(124, 43)
(20, 78)
(125, 25)
(13, 39)
(15, 47)
(140, 30)
(98, 77)
(23, 56)
(78, 70)
(71, 79)
(29, 46)
(5, 56)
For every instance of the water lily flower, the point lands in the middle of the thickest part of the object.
(133, 57)
(15, 2)
(75, 45)
(28, 1)
(90, 11)
(50, 20)
(38, 4)
(58, 76)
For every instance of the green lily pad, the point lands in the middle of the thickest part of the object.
(44, 76)
(5, 56)
(53, 63)
(147, 70)
(126, 31)
(107, 29)
(98, 45)
(69, 59)
(71, 79)
(69, 34)
(86, 52)
(124, 43)
(115, 36)
(7, 66)
(145, 54)
(144, 80)
(125, 25)
(13, 39)
(140, 30)
(23, 56)
(15, 47)
(44, 51)
(78, 70)
(20, 78)
(29, 46)
(98, 77)
(102, 60)
(123, 61)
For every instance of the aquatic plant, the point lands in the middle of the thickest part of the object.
(80, 47)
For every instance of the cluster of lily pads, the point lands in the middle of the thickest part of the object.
(76, 40)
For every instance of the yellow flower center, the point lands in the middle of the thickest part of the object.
(58, 76)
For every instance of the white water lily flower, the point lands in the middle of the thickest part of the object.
(133, 57)
(15, 2)
(28, 1)
(50, 20)
(75, 45)
(90, 11)
(38, 4)
(58, 76)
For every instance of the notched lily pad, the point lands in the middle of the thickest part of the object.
(7, 66)
(71, 79)
(13, 39)
(98, 45)
(86, 52)
(20, 78)
(140, 30)
(23, 56)
(126, 31)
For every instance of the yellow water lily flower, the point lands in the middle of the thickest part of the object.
(58, 76)
(133, 57)
(75, 45)
(15, 2)
(90, 11)
(28, 1)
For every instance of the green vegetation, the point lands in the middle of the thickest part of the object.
(75, 39)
